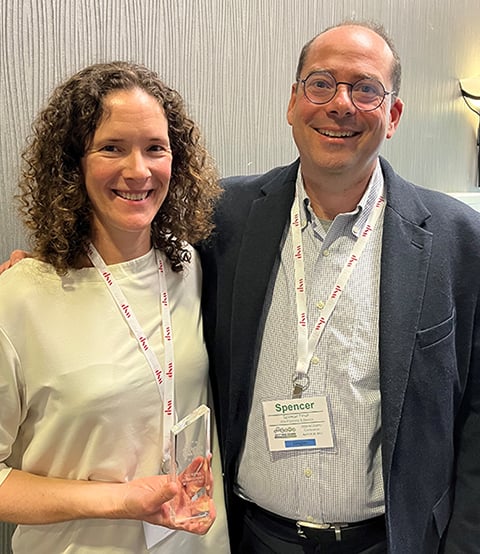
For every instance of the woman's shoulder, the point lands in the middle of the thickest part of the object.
(25, 279)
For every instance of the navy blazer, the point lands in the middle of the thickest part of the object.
(429, 348)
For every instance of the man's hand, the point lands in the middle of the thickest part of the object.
(15, 257)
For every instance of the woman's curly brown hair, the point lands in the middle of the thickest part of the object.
(53, 199)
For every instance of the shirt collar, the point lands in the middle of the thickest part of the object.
(359, 215)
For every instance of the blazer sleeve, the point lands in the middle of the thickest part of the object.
(463, 532)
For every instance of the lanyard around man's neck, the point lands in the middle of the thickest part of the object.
(306, 345)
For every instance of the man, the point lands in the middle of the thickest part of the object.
(341, 315)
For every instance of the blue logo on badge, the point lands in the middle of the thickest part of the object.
(300, 443)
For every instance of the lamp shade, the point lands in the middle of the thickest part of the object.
(470, 87)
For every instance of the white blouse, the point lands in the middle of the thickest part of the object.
(79, 401)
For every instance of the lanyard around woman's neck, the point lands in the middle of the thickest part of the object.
(306, 345)
(163, 378)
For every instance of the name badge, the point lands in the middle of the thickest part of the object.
(155, 533)
(298, 424)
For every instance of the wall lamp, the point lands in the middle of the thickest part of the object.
(470, 89)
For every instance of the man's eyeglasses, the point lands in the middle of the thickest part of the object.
(366, 94)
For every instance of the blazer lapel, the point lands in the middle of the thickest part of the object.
(406, 255)
(257, 258)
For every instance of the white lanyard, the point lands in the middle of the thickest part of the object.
(164, 379)
(307, 345)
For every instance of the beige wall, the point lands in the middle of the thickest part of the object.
(234, 62)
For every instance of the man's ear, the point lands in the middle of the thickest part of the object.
(396, 111)
(291, 103)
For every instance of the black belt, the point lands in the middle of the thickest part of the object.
(369, 530)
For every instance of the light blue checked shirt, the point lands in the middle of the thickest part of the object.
(344, 483)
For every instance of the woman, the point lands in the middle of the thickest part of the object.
(116, 185)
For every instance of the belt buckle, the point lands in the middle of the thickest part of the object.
(337, 527)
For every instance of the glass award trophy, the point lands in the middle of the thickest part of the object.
(189, 465)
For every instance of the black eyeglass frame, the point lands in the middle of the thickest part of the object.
(351, 85)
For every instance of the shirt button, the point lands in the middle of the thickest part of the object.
(308, 472)
(315, 360)
(320, 305)
(326, 252)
